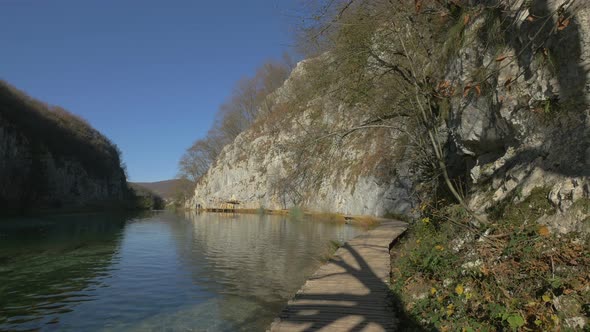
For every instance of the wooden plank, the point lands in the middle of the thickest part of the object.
(350, 292)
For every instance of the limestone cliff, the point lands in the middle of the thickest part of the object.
(51, 159)
(282, 161)
(530, 128)
(516, 117)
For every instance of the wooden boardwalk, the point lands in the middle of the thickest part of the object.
(350, 292)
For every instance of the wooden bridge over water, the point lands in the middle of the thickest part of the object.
(351, 291)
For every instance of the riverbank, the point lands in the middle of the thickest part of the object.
(297, 213)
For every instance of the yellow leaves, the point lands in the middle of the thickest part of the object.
(450, 309)
(433, 291)
(546, 298)
(468, 295)
(459, 289)
(555, 319)
(543, 231)
(439, 247)
(440, 299)
(426, 220)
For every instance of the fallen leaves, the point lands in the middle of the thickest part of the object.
(501, 57)
(444, 89)
(478, 89)
(543, 231)
(459, 289)
(466, 90)
(468, 87)
(466, 19)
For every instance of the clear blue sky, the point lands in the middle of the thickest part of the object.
(148, 74)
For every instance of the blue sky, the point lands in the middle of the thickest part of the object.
(149, 75)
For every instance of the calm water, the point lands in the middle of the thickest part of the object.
(162, 271)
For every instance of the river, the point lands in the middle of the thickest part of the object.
(157, 271)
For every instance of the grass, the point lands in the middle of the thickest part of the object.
(328, 217)
(397, 216)
(454, 37)
(330, 250)
(519, 279)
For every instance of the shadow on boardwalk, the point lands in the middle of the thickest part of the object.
(351, 292)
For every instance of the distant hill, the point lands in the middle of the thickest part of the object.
(167, 189)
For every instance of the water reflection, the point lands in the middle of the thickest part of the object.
(49, 265)
(161, 272)
(263, 260)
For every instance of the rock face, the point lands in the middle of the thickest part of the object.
(526, 126)
(277, 165)
(531, 128)
(34, 175)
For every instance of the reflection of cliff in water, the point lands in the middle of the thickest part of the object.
(263, 260)
(49, 264)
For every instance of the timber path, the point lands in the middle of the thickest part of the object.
(351, 291)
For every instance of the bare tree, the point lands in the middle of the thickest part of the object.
(237, 114)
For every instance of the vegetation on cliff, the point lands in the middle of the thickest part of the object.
(522, 277)
(52, 159)
(247, 101)
(487, 254)
(62, 133)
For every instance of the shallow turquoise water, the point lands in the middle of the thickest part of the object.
(156, 272)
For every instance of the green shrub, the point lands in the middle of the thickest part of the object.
(452, 278)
